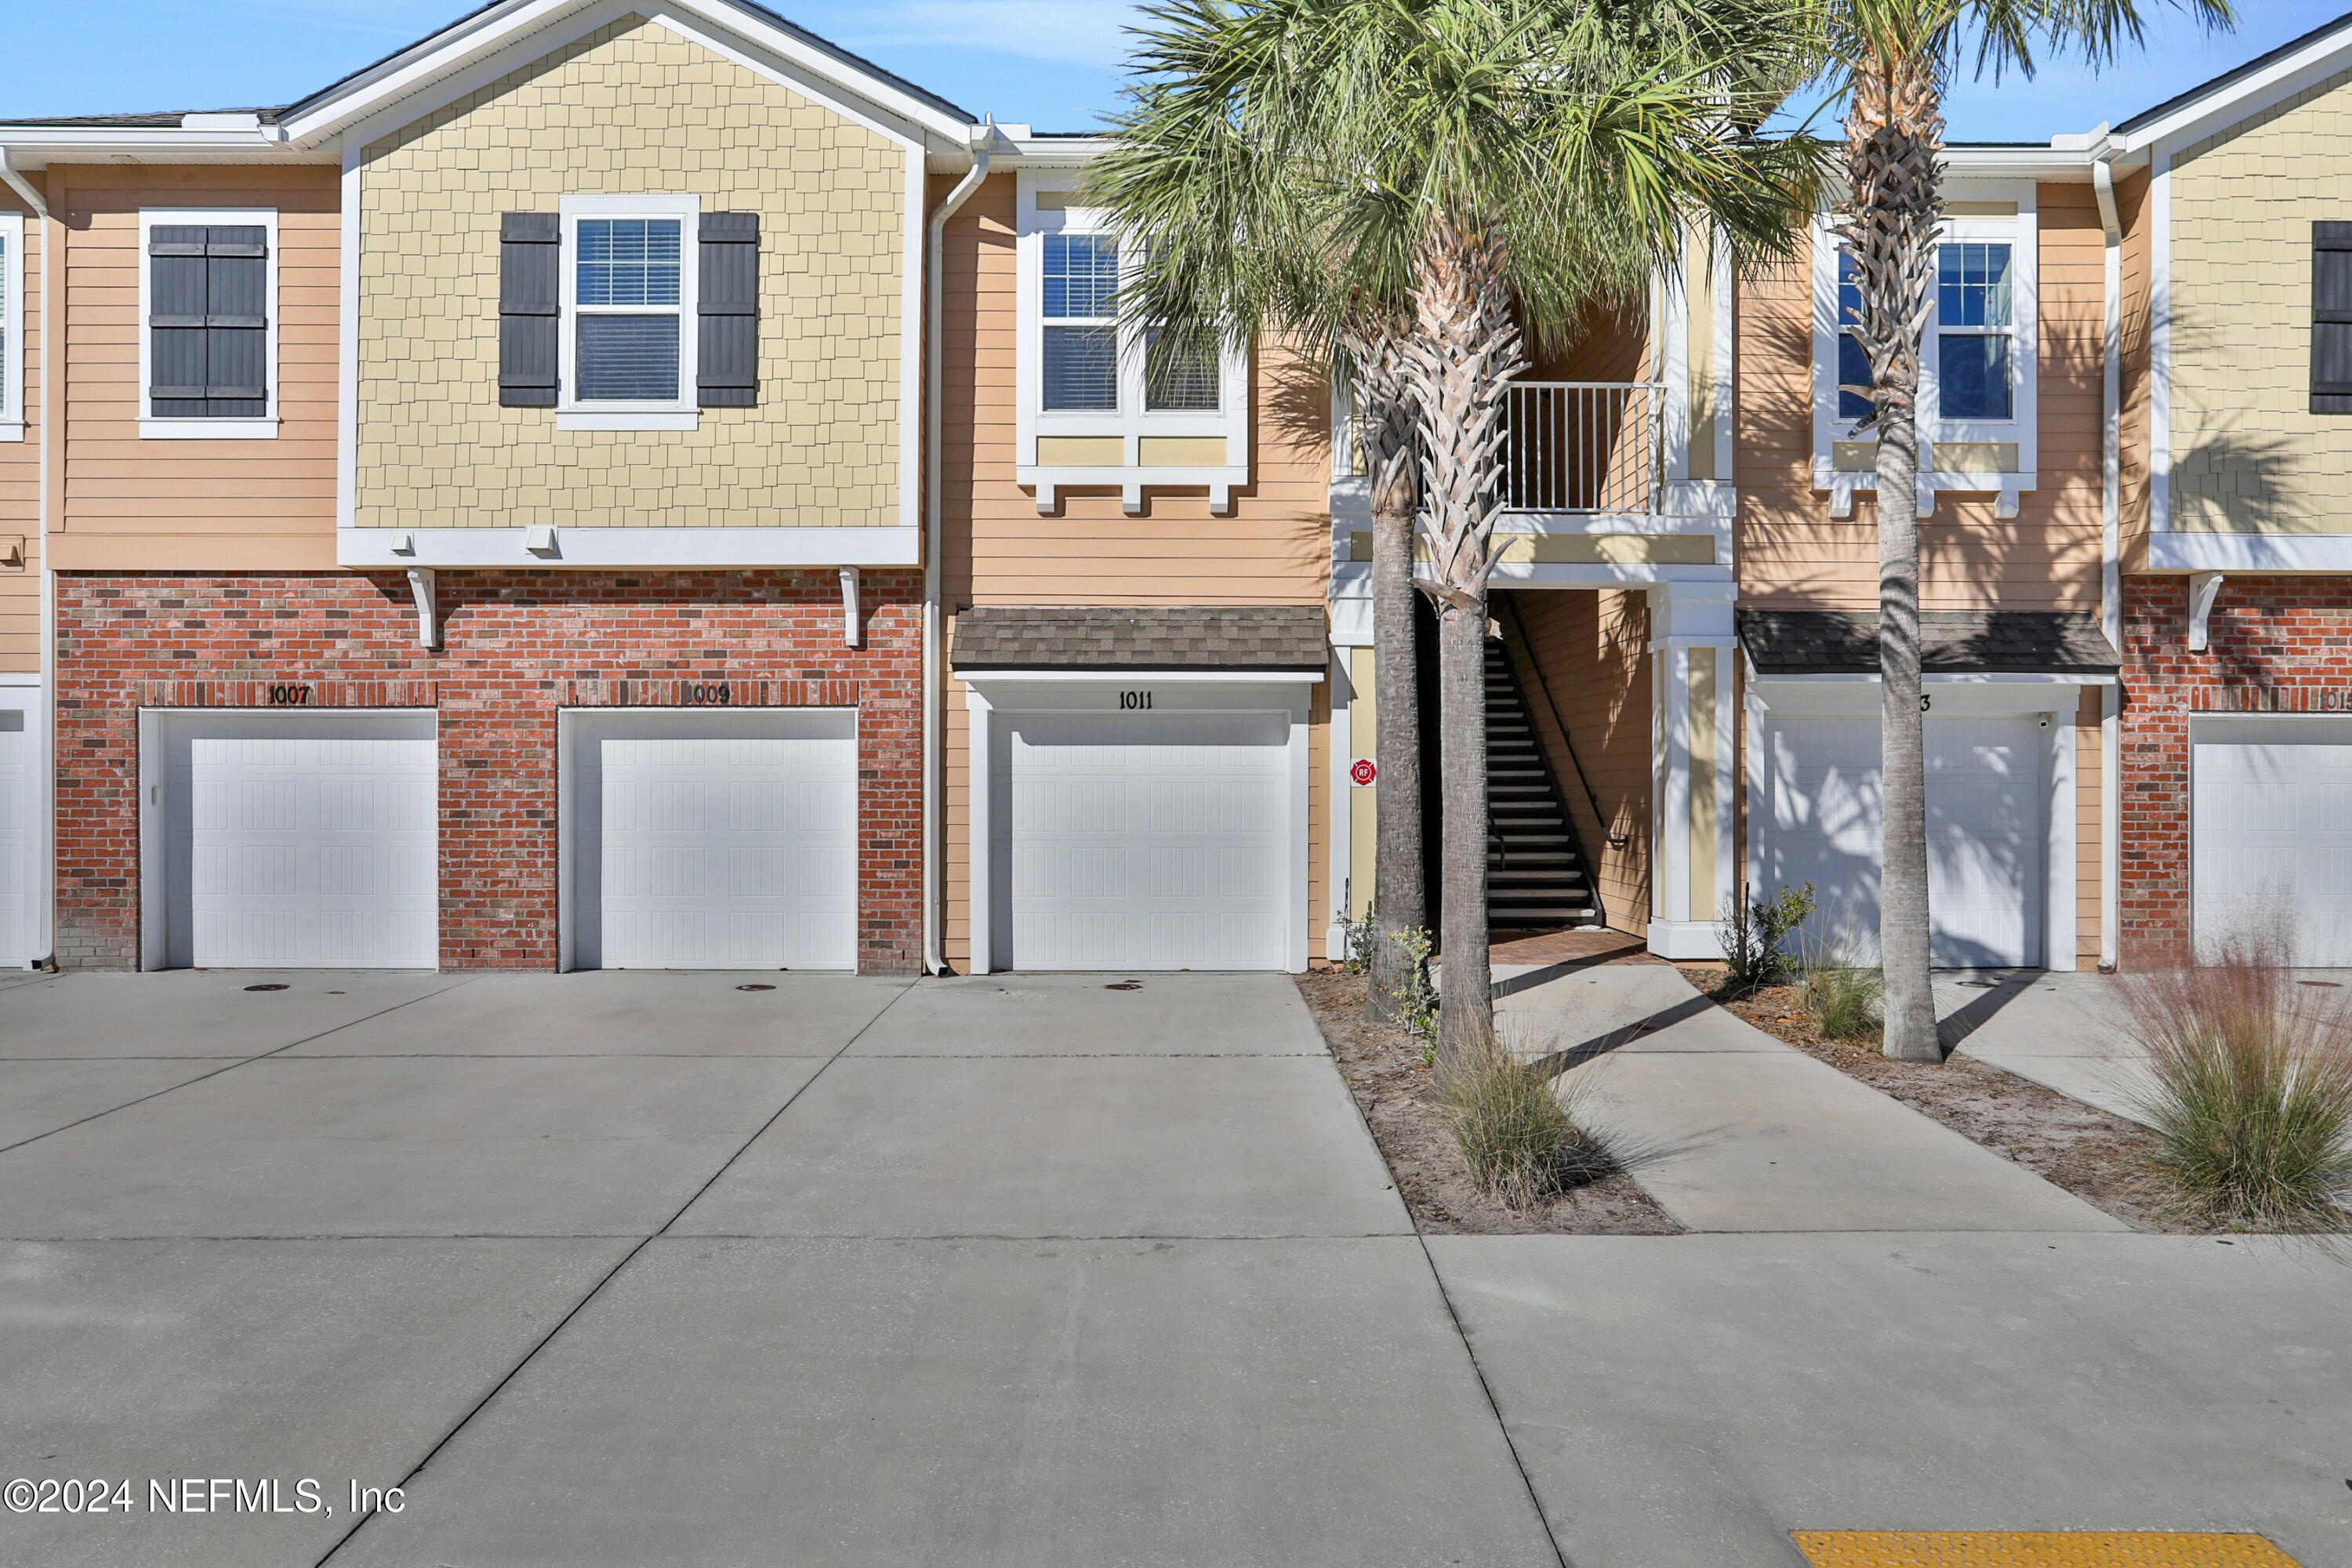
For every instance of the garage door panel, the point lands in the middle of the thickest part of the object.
(2272, 834)
(1986, 832)
(716, 841)
(1142, 841)
(15, 835)
(300, 840)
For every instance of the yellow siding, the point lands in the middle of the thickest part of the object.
(633, 108)
(2132, 213)
(2248, 456)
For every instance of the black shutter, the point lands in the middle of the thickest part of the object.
(727, 367)
(2331, 318)
(208, 314)
(530, 277)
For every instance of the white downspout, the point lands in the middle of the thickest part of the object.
(2103, 180)
(45, 905)
(934, 443)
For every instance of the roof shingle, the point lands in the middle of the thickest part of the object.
(1952, 642)
(1219, 637)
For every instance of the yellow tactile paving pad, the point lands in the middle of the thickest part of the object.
(2034, 1548)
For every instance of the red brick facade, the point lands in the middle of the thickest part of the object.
(2278, 645)
(516, 648)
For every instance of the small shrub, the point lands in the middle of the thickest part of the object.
(2250, 1088)
(1755, 936)
(1516, 1127)
(1416, 1000)
(1842, 996)
(1357, 938)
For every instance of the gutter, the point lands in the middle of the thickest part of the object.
(2103, 182)
(15, 178)
(934, 443)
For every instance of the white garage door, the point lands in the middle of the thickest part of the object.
(300, 840)
(1986, 832)
(1142, 841)
(2273, 835)
(16, 872)
(716, 840)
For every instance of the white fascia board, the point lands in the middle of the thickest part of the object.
(470, 44)
(1765, 684)
(986, 678)
(38, 146)
(1056, 152)
(2282, 78)
(2170, 551)
(681, 549)
(2058, 164)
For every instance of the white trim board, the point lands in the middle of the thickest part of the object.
(686, 548)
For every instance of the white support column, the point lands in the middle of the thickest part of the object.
(1693, 865)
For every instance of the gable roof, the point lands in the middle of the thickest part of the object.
(2229, 79)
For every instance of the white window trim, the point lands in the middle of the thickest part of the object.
(12, 322)
(2023, 235)
(680, 413)
(151, 427)
(1130, 422)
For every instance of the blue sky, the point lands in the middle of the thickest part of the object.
(1051, 63)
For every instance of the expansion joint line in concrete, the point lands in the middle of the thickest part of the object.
(610, 1274)
(225, 1067)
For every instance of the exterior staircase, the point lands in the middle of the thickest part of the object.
(1536, 876)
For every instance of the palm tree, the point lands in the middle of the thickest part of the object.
(1199, 178)
(1465, 180)
(1890, 59)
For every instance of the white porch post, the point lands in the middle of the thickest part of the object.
(1693, 868)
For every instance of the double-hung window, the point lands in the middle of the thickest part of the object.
(1105, 401)
(208, 344)
(12, 327)
(628, 315)
(1976, 358)
(1081, 306)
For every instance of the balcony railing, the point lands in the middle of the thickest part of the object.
(1585, 447)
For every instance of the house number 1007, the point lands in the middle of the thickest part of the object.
(1135, 700)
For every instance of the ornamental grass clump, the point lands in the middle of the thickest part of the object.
(1518, 1126)
(1841, 995)
(2249, 1087)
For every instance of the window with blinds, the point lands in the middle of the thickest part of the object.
(627, 293)
(208, 321)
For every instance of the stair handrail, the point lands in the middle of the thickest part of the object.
(1614, 840)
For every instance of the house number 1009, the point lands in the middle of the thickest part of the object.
(1135, 700)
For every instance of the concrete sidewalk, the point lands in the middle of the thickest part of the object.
(1732, 1130)
(2064, 1032)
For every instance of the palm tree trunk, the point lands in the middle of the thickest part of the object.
(1465, 348)
(1399, 890)
(1894, 158)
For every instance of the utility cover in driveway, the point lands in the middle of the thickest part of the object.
(716, 840)
(1131, 841)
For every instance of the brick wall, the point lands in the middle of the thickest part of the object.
(517, 646)
(2278, 645)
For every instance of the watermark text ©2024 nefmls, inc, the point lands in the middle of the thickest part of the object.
(197, 1494)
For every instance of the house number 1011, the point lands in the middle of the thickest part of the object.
(1135, 700)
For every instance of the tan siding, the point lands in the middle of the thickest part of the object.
(997, 549)
(20, 474)
(2248, 455)
(1587, 648)
(192, 505)
(2134, 213)
(1792, 552)
(634, 108)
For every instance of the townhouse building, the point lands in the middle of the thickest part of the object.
(624, 485)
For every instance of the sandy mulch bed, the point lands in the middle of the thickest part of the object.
(2099, 1158)
(1398, 1097)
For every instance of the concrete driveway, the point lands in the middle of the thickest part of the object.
(653, 1269)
